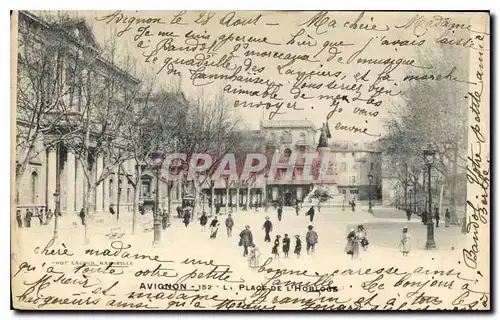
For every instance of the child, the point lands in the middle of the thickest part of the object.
(298, 246)
(404, 244)
(286, 245)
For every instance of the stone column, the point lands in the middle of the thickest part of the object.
(106, 198)
(114, 196)
(100, 187)
(51, 177)
(70, 182)
(79, 186)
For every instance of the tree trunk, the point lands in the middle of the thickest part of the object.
(237, 198)
(212, 195)
(441, 196)
(169, 199)
(227, 198)
(248, 197)
(135, 208)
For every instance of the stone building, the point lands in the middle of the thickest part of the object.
(63, 56)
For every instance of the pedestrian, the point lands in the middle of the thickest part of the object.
(408, 214)
(275, 247)
(48, 216)
(40, 217)
(268, 227)
(187, 217)
(447, 218)
(404, 243)
(203, 221)
(214, 227)
(253, 256)
(164, 219)
(280, 212)
(298, 246)
(311, 239)
(353, 205)
(19, 218)
(310, 213)
(286, 245)
(436, 216)
(27, 218)
(229, 225)
(179, 211)
(82, 216)
(362, 236)
(352, 246)
(111, 210)
(257, 205)
(297, 208)
(141, 209)
(319, 206)
(217, 208)
(246, 239)
(424, 217)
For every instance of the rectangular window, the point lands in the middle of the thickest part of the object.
(353, 180)
(354, 191)
(343, 167)
(344, 191)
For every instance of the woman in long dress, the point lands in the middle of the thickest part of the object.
(404, 244)
(214, 227)
(275, 247)
(253, 256)
(352, 245)
(298, 246)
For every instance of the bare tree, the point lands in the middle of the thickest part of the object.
(434, 112)
(42, 91)
(153, 124)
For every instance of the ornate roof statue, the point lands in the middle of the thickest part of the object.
(324, 136)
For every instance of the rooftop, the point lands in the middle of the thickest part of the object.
(288, 124)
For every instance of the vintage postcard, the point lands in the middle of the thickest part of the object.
(250, 160)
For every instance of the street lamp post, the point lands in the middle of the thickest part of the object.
(57, 193)
(370, 178)
(118, 200)
(429, 155)
(267, 192)
(157, 157)
(410, 199)
(56, 213)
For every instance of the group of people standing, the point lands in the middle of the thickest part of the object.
(24, 221)
(356, 238)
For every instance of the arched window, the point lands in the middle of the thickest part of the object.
(34, 187)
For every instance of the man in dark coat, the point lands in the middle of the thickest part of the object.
(19, 218)
(424, 217)
(436, 216)
(27, 218)
(311, 239)
(203, 221)
(280, 212)
(311, 213)
(246, 239)
(82, 216)
(408, 214)
(268, 227)
(179, 211)
(111, 210)
(229, 225)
